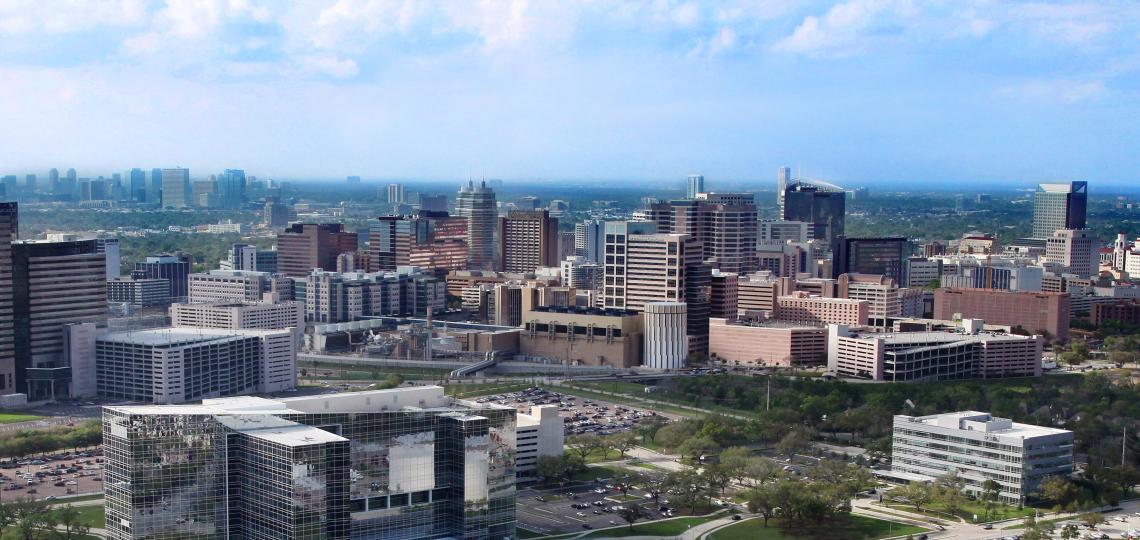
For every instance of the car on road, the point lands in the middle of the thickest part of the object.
(540, 499)
(581, 514)
(736, 517)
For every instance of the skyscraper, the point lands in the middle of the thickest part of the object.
(303, 247)
(154, 187)
(590, 240)
(174, 267)
(396, 194)
(136, 180)
(882, 256)
(477, 204)
(8, 228)
(694, 184)
(783, 178)
(53, 180)
(527, 240)
(433, 203)
(29, 184)
(1076, 250)
(231, 188)
(822, 206)
(1059, 206)
(176, 188)
(724, 224)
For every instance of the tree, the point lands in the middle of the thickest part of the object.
(917, 494)
(674, 434)
(717, 477)
(990, 492)
(735, 459)
(1092, 519)
(1060, 490)
(762, 500)
(655, 484)
(695, 447)
(71, 526)
(584, 445)
(632, 513)
(648, 427)
(31, 518)
(796, 440)
(622, 442)
(1070, 532)
(762, 470)
(1033, 530)
(557, 468)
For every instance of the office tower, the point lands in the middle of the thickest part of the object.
(666, 341)
(136, 180)
(141, 292)
(822, 206)
(11, 190)
(204, 193)
(176, 188)
(882, 256)
(783, 180)
(590, 239)
(1059, 206)
(53, 284)
(231, 189)
(396, 194)
(30, 184)
(389, 237)
(723, 294)
(1077, 251)
(401, 463)
(305, 246)
(53, 181)
(72, 177)
(248, 257)
(433, 203)
(646, 266)
(694, 184)
(193, 363)
(275, 214)
(921, 271)
(723, 223)
(529, 202)
(9, 221)
(1018, 456)
(175, 267)
(527, 240)
(154, 187)
(477, 204)
(352, 180)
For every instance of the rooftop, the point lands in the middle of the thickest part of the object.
(158, 337)
(981, 421)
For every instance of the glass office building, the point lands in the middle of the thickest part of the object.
(403, 463)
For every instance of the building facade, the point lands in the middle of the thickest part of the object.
(139, 292)
(583, 336)
(477, 205)
(174, 267)
(1045, 313)
(666, 335)
(239, 315)
(408, 463)
(303, 247)
(527, 240)
(978, 447)
(9, 223)
(805, 309)
(1059, 206)
(774, 344)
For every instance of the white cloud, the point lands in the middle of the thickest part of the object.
(1052, 91)
(324, 65)
(18, 17)
(842, 31)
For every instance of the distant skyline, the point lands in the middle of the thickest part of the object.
(862, 92)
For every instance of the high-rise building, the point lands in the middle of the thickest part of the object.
(477, 204)
(590, 239)
(694, 184)
(433, 203)
(276, 214)
(402, 463)
(154, 187)
(249, 257)
(666, 335)
(1045, 313)
(175, 267)
(305, 246)
(1059, 206)
(723, 294)
(527, 240)
(176, 188)
(724, 224)
(231, 189)
(139, 292)
(783, 179)
(54, 284)
(29, 184)
(1077, 251)
(396, 194)
(53, 180)
(9, 223)
(822, 206)
(427, 239)
(642, 266)
(204, 193)
(884, 256)
(136, 182)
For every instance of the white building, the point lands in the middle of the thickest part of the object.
(666, 344)
(233, 285)
(979, 447)
(239, 315)
(175, 365)
(1075, 250)
(540, 433)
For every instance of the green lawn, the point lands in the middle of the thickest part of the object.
(11, 418)
(92, 516)
(594, 473)
(668, 527)
(851, 527)
(968, 509)
(526, 533)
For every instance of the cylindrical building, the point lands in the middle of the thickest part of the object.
(666, 343)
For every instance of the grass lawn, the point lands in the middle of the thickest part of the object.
(11, 418)
(649, 466)
(851, 527)
(668, 527)
(92, 516)
(968, 509)
(525, 533)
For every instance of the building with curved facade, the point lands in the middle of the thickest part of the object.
(666, 344)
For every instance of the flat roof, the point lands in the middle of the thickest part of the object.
(1013, 429)
(944, 337)
(178, 335)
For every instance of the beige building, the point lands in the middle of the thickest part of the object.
(527, 240)
(1075, 250)
(803, 308)
(767, 344)
(1034, 312)
(583, 336)
(238, 315)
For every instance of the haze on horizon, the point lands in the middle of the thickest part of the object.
(858, 92)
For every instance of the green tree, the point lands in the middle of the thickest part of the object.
(70, 523)
(1061, 491)
(1092, 519)
(991, 490)
(584, 445)
(762, 500)
(798, 439)
(1070, 532)
(631, 513)
(622, 442)
(695, 447)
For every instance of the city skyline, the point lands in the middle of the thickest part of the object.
(859, 92)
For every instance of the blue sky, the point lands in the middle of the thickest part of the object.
(860, 92)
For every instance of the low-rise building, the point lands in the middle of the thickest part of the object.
(583, 336)
(140, 292)
(932, 356)
(1036, 312)
(978, 446)
(773, 343)
(802, 308)
(238, 315)
(1121, 311)
(539, 433)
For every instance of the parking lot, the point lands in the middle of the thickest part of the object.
(53, 475)
(597, 506)
(1117, 525)
(581, 415)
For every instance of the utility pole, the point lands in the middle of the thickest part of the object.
(1123, 444)
(768, 400)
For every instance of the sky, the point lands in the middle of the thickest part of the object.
(859, 92)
